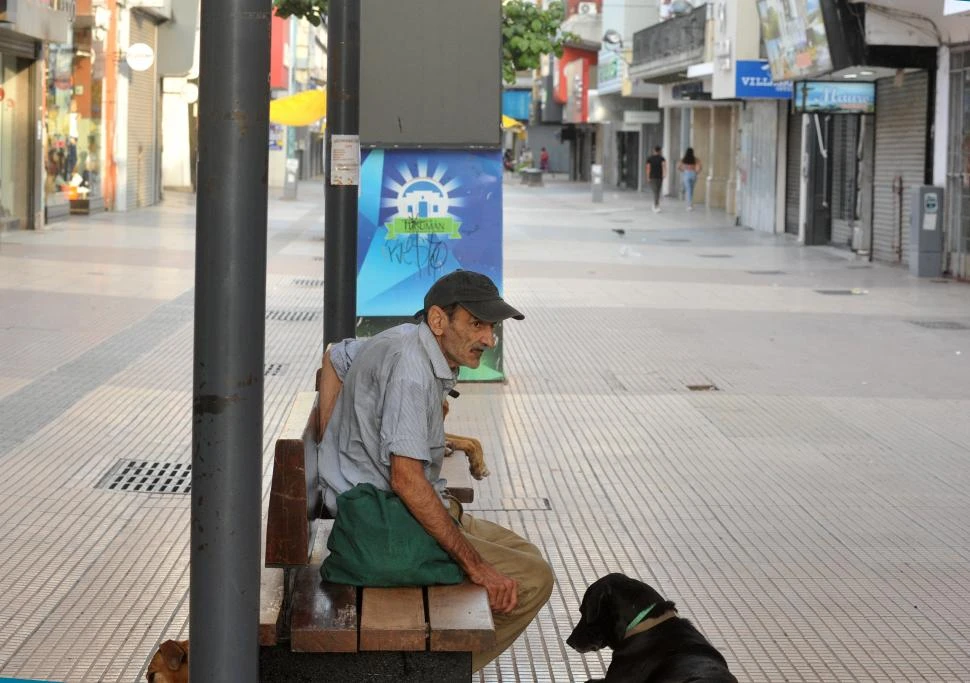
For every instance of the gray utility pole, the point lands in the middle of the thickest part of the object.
(230, 304)
(343, 138)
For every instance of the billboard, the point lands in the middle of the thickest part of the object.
(835, 98)
(423, 214)
(793, 32)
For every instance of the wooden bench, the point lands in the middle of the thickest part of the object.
(310, 629)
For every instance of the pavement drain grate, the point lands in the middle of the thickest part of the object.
(308, 282)
(766, 272)
(859, 266)
(940, 280)
(143, 476)
(716, 255)
(840, 292)
(292, 316)
(675, 239)
(940, 324)
(273, 369)
(702, 387)
(516, 504)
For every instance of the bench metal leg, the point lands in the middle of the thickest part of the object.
(280, 664)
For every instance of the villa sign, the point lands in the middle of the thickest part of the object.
(754, 82)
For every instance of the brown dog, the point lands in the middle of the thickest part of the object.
(170, 664)
(470, 447)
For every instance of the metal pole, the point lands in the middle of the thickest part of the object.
(230, 302)
(343, 119)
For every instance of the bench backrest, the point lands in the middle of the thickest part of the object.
(294, 499)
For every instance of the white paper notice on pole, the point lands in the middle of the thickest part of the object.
(345, 160)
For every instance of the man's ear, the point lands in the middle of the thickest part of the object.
(437, 319)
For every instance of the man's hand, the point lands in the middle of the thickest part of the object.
(408, 482)
(503, 591)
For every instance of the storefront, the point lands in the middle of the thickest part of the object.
(16, 141)
(27, 29)
(72, 123)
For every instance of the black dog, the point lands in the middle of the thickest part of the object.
(650, 643)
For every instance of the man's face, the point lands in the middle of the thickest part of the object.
(463, 339)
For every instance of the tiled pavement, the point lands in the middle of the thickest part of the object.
(811, 516)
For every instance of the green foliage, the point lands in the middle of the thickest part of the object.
(527, 31)
(312, 10)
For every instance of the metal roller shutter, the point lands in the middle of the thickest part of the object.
(900, 153)
(17, 45)
(844, 145)
(793, 184)
(142, 121)
(759, 158)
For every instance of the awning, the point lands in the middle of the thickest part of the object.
(508, 123)
(300, 109)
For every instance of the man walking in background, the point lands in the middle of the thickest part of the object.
(656, 172)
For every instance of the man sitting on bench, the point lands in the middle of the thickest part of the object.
(387, 429)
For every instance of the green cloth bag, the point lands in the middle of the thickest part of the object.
(376, 541)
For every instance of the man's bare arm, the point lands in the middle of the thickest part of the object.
(409, 483)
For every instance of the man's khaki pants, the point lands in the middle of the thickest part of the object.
(515, 557)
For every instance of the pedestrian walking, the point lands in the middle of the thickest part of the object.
(690, 166)
(656, 172)
(544, 160)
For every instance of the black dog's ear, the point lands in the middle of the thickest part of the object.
(599, 605)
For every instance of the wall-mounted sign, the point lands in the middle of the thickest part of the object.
(795, 39)
(609, 71)
(140, 57)
(691, 90)
(835, 98)
(754, 82)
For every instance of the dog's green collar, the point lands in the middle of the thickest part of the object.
(640, 617)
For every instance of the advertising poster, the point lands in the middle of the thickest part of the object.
(795, 40)
(423, 214)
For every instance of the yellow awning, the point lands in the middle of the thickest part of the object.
(508, 123)
(300, 109)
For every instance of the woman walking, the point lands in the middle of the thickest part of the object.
(689, 167)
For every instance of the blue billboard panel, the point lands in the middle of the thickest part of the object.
(835, 98)
(422, 214)
(754, 82)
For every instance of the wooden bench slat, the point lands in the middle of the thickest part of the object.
(460, 618)
(324, 615)
(393, 619)
(294, 497)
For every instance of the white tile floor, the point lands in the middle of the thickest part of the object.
(810, 516)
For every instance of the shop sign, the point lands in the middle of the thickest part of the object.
(609, 71)
(140, 57)
(835, 98)
(753, 81)
(692, 90)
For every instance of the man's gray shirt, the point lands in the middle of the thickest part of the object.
(394, 385)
